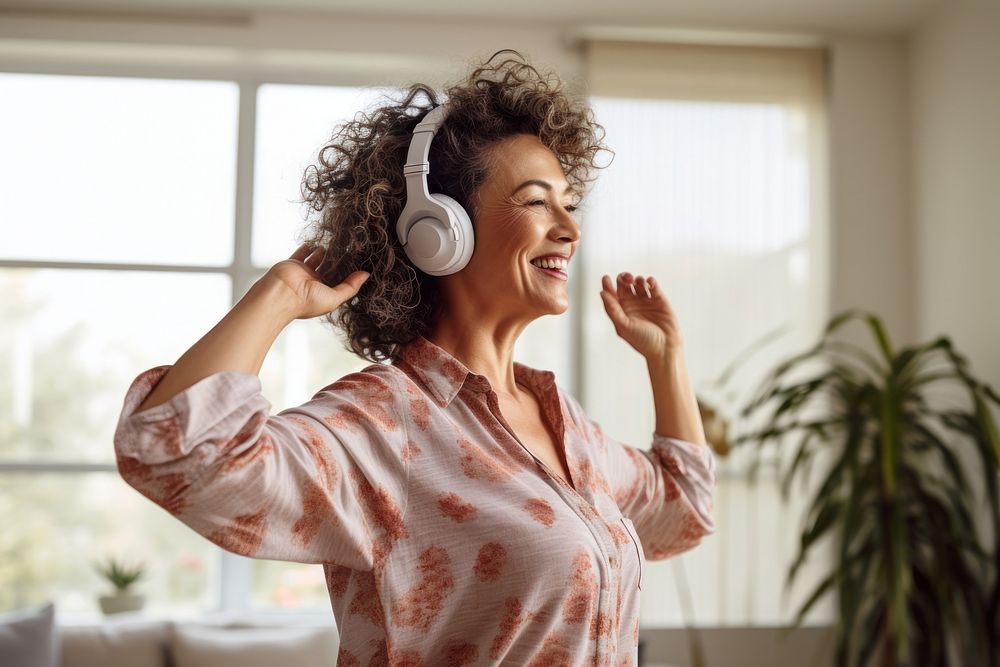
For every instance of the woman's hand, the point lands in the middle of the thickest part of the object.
(645, 319)
(309, 296)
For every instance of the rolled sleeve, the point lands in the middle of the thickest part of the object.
(323, 482)
(666, 490)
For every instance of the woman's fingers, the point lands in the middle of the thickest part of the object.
(642, 287)
(626, 286)
(302, 252)
(315, 258)
(654, 289)
(618, 286)
(607, 283)
(611, 304)
(348, 287)
(321, 299)
(310, 255)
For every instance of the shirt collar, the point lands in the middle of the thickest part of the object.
(444, 375)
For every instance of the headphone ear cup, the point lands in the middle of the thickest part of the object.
(466, 242)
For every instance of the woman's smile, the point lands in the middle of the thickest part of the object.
(555, 273)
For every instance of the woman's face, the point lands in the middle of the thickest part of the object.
(524, 212)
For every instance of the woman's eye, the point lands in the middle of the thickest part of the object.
(542, 202)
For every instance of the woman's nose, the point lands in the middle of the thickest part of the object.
(568, 227)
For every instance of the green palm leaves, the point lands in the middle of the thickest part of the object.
(911, 574)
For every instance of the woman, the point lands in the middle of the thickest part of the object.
(464, 507)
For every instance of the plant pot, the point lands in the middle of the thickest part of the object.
(121, 602)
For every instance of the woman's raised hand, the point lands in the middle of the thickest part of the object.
(310, 296)
(642, 315)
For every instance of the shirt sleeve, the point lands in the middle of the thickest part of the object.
(667, 490)
(324, 482)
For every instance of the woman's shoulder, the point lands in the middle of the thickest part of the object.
(374, 378)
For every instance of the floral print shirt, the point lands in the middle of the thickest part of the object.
(443, 539)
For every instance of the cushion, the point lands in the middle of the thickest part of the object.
(137, 643)
(28, 637)
(194, 645)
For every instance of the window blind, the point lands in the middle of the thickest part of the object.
(718, 190)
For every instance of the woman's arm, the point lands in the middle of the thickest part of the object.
(677, 414)
(667, 490)
(198, 439)
(318, 483)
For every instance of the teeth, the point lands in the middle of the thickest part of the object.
(549, 263)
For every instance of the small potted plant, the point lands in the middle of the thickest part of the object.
(122, 578)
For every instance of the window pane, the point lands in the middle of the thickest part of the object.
(117, 169)
(64, 522)
(279, 585)
(293, 123)
(71, 342)
(307, 356)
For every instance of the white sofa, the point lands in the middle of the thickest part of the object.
(164, 643)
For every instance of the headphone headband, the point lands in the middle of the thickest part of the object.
(420, 145)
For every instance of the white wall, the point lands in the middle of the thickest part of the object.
(954, 62)
(955, 68)
(869, 193)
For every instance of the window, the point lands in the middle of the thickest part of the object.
(716, 190)
(117, 210)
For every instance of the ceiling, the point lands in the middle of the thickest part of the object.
(826, 16)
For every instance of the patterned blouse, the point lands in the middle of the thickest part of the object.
(443, 539)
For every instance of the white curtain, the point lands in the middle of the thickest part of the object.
(717, 189)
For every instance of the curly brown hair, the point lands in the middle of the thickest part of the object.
(359, 188)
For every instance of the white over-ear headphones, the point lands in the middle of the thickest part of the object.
(436, 232)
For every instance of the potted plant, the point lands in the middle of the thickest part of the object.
(914, 584)
(122, 578)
